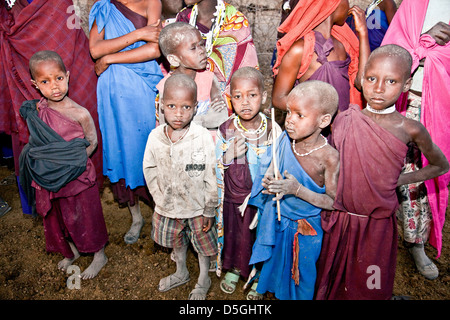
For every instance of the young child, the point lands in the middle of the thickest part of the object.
(422, 28)
(241, 141)
(359, 249)
(290, 247)
(184, 48)
(228, 38)
(179, 167)
(72, 212)
(123, 41)
(319, 45)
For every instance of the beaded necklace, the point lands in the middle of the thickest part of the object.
(391, 109)
(259, 132)
(213, 33)
(308, 153)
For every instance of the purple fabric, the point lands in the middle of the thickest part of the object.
(332, 72)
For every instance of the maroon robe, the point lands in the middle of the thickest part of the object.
(74, 212)
(359, 250)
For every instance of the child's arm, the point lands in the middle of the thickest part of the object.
(217, 112)
(437, 162)
(363, 35)
(287, 75)
(290, 185)
(89, 130)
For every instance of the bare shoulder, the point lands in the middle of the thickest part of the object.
(296, 50)
(331, 156)
(413, 128)
(78, 112)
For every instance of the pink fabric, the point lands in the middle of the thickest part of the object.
(405, 31)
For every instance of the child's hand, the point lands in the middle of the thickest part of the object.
(359, 17)
(288, 185)
(218, 104)
(208, 222)
(236, 149)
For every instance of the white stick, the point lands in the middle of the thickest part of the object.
(274, 157)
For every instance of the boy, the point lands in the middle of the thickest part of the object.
(310, 167)
(241, 142)
(179, 166)
(228, 38)
(359, 249)
(72, 213)
(184, 48)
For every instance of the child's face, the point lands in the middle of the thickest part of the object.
(179, 107)
(384, 80)
(304, 117)
(191, 52)
(247, 97)
(51, 80)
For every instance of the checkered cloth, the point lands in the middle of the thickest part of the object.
(171, 233)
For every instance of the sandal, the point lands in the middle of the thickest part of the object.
(171, 282)
(4, 208)
(228, 284)
(252, 294)
(199, 292)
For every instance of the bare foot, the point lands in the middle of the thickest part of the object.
(66, 262)
(96, 265)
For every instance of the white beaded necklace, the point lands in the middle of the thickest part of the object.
(170, 140)
(212, 35)
(308, 153)
(10, 3)
(391, 109)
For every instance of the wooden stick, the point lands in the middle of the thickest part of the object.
(274, 158)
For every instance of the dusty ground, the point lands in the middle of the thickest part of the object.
(28, 272)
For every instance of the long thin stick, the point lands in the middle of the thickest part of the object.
(274, 157)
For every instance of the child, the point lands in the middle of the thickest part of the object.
(319, 45)
(359, 249)
(310, 168)
(228, 38)
(72, 213)
(179, 166)
(242, 140)
(123, 40)
(422, 28)
(184, 48)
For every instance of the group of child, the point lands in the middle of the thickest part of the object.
(301, 215)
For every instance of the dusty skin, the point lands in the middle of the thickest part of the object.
(28, 272)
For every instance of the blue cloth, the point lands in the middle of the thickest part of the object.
(126, 102)
(377, 25)
(274, 240)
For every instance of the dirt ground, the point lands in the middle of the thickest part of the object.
(28, 272)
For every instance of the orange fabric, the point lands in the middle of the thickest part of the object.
(305, 229)
(307, 15)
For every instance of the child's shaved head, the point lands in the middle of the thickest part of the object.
(249, 73)
(394, 51)
(45, 55)
(172, 35)
(180, 80)
(324, 93)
